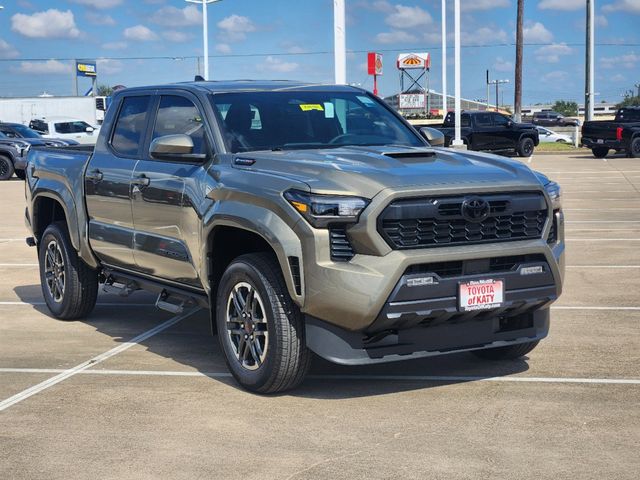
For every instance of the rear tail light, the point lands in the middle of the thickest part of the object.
(619, 133)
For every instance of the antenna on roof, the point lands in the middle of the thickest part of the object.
(199, 78)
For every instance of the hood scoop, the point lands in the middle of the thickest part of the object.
(412, 156)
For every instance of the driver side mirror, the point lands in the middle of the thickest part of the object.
(509, 124)
(89, 129)
(175, 147)
(433, 136)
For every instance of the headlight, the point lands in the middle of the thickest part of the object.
(555, 194)
(322, 210)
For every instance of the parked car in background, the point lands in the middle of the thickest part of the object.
(622, 134)
(549, 136)
(491, 131)
(17, 130)
(551, 118)
(65, 128)
(13, 157)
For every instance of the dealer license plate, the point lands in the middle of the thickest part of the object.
(480, 295)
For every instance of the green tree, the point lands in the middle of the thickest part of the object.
(565, 108)
(104, 90)
(630, 102)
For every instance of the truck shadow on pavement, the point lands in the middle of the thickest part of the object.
(189, 344)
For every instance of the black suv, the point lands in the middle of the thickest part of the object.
(550, 118)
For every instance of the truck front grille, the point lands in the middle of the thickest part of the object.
(439, 221)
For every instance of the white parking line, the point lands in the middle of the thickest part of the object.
(17, 398)
(420, 378)
(562, 307)
(8, 265)
(39, 304)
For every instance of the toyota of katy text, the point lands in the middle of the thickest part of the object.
(307, 218)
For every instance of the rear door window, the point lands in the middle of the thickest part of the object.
(128, 134)
(72, 127)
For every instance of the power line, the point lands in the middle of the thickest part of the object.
(318, 52)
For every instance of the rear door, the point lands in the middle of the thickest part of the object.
(108, 183)
(482, 131)
(166, 195)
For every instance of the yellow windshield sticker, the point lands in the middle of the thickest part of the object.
(307, 107)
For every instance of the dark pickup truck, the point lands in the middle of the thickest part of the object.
(622, 134)
(306, 218)
(491, 131)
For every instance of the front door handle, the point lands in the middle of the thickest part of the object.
(95, 176)
(141, 181)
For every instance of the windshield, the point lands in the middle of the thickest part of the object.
(288, 120)
(26, 132)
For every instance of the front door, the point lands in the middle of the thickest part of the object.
(166, 195)
(108, 183)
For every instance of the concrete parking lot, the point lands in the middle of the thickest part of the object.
(132, 392)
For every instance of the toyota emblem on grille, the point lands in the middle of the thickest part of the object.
(475, 209)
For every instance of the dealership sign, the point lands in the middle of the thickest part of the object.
(407, 61)
(374, 63)
(86, 69)
(408, 101)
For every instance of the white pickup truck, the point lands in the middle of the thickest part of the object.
(66, 128)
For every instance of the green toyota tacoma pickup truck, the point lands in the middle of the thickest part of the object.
(306, 218)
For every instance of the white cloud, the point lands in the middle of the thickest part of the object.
(177, 17)
(502, 65)
(483, 36)
(552, 53)
(601, 21)
(50, 67)
(235, 27)
(100, 19)
(223, 48)
(272, 64)
(176, 36)
(379, 6)
(109, 66)
(115, 45)
(99, 4)
(628, 60)
(618, 77)
(7, 50)
(555, 76)
(397, 36)
(631, 6)
(140, 33)
(408, 17)
(485, 4)
(566, 5)
(51, 23)
(537, 33)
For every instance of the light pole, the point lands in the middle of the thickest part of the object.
(205, 32)
(457, 141)
(589, 67)
(444, 57)
(340, 42)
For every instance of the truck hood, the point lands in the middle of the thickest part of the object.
(366, 171)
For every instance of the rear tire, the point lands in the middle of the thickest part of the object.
(261, 331)
(6, 168)
(525, 147)
(634, 148)
(69, 286)
(600, 152)
(510, 352)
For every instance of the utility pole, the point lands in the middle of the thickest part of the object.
(457, 140)
(637, 85)
(340, 42)
(517, 101)
(497, 83)
(205, 32)
(589, 86)
(444, 57)
(488, 83)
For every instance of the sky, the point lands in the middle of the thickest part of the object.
(158, 41)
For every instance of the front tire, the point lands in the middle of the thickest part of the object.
(510, 352)
(600, 152)
(69, 286)
(260, 329)
(6, 168)
(21, 174)
(525, 147)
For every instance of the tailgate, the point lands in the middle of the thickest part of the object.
(600, 130)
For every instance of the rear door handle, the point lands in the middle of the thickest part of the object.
(95, 176)
(141, 181)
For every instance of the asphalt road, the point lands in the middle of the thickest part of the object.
(132, 392)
